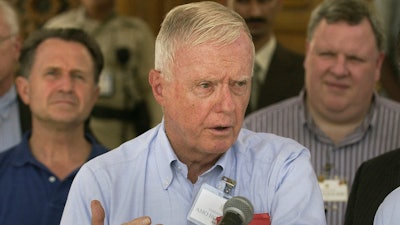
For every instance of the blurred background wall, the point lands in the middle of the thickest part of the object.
(290, 28)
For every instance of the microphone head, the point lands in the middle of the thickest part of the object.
(241, 206)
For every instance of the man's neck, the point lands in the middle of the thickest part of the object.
(197, 161)
(60, 151)
(337, 129)
(196, 169)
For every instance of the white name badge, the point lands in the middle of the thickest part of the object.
(334, 190)
(208, 205)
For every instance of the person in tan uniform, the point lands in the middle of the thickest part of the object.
(126, 107)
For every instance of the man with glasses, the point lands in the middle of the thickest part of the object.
(14, 115)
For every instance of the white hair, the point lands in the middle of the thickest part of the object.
(192, 24)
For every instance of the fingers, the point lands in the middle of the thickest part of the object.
(98, 216)
(145, 220)
(97, 213)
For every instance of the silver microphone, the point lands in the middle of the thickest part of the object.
(237, 211)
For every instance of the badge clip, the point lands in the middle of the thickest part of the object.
(229, 184)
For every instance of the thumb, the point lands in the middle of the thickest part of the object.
(97, 212)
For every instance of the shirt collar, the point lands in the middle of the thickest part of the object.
(264, 56)
(23, 154)
(166, 158)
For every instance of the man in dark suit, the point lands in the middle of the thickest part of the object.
(284, 79)
(278, 71)
(374, 180)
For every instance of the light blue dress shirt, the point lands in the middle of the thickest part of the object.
(144, 177)
(389, 211)
(10, 127)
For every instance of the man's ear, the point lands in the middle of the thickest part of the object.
(379, 63)
(22, 85)
(307, 48)
(156, 83)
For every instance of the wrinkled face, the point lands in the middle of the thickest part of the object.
(9, 53)
(61, 87)
(259, 14)
(342, 66)
(205, 101)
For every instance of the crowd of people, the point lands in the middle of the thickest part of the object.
(102, 122)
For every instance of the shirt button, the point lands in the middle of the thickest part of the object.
(52, 179)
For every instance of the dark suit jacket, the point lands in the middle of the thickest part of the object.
(285, 78)
(374, 180)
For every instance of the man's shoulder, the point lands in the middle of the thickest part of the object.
(385, 161)
(97, 147)
(132, 152)
(128, 151)
(64, 19)
(386, 103)
(250, 138)
(132, 22)
(131, 28)
(8, 157)
(261, 144)
(5, 155)
(283, 106)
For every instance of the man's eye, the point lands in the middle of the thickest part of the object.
(205, 85)
(203, 89)
(78, 76)
(239, 87)
(241, 83)
(51, 72)
(355, 59)
(326, 54)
